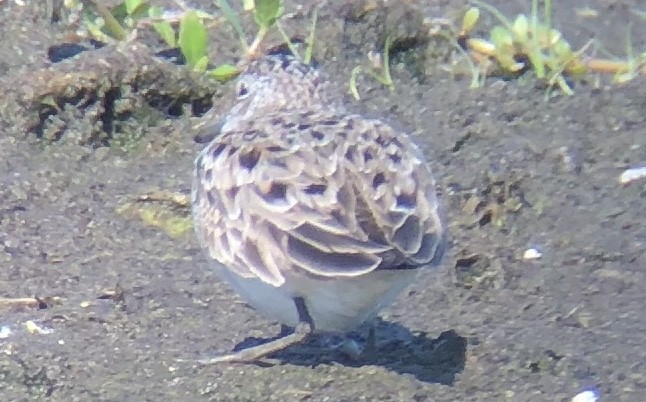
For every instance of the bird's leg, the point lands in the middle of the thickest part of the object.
(302, 331)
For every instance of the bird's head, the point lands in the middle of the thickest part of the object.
(280, 83)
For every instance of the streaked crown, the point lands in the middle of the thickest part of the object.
(279, 83)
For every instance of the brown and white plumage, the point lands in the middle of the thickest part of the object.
(298, 199)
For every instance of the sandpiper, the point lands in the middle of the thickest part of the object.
(316, 216)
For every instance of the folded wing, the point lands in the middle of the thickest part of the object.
(327, 196)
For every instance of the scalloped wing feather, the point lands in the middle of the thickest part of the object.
(323, 195)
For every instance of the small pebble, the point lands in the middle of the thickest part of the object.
(5, 332)
(34, 328)
(532, 254)
(632, 174)
(590, 395)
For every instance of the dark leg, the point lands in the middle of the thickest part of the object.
(302, 331)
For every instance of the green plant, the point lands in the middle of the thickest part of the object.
(120, 23)
(309, 43)
(527, 38)
(266, 14)
(383, 76)
(531, 42)
(193, 41)
(162, 26)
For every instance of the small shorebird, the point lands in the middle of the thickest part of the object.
(317, 217)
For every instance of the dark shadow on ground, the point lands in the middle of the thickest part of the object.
(432, 360)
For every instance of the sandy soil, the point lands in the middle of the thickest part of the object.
(82, 140)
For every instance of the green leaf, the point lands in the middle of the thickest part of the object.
(267, 12)
(49, 101)
(167, 33)
(95, 29)
(201, 64)
(111, 26)
(388, 80)
(520, 29)
(353, 82)
(133, 5)
(248, 5)
(310, 38)
(225, 72)
(193, 38)
(163, 28)
(470, 20)
(501, 38)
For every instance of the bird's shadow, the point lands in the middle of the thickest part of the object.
(433, 360)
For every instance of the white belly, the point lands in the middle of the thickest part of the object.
(336, 305)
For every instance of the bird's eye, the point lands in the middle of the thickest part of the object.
(242, 90)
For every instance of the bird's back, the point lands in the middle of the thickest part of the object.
(319, 193)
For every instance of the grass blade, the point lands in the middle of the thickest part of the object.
(309, 48)
(233, 19)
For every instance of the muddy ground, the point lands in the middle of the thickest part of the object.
(122, 301)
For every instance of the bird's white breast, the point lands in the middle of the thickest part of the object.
(335, 304)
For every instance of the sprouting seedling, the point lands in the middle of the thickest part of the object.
(469, 21)
(265, 14)
(162, 26)
(116, 23)
(120, 23)
(193, 41)
(630, 68)
(309, 46)
(549, 55)
(134, 6)
(309, 43)
(531, 38)
(383, 77)
(106, 26)
(353, 83)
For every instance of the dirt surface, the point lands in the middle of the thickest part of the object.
(122, 302)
